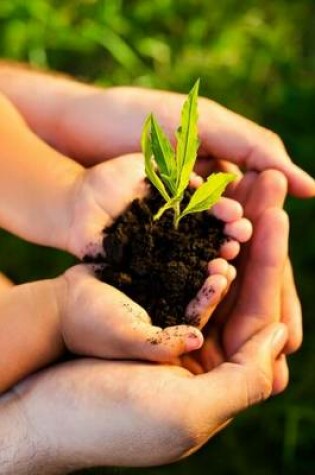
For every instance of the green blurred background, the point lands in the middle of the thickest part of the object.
(255, 57)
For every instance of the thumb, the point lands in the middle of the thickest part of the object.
(100, 320)
(248, 375)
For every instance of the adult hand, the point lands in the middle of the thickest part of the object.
(93, 124)
(257, 193)
(97, 124)
(88, 413)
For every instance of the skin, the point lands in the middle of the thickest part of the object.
(74, 205)
(258, 193)
(92, 124)
(77, 312)
(61, 123)
(89, 421)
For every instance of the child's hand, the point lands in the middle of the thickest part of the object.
(103, 193)
(99, 320)
(108, 188)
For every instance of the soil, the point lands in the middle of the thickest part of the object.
(157, 266)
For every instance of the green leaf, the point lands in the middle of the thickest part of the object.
(187, 140)
(164, 155)
(149, 167)
(209, 193)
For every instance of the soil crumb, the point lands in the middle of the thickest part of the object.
(159, 267)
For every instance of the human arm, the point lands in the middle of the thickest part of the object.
(30, 336)
(135, 414)
(37, 184)
(92, 124)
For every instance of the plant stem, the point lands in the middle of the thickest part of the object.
(176, 214)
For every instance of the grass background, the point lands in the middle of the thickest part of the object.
(255, 57)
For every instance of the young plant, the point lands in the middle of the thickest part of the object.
(170, 171)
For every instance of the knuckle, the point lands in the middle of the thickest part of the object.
(274, 180)
(273, 137)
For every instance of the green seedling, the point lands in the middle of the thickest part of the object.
(169, 170)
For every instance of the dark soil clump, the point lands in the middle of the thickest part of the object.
(159, 267)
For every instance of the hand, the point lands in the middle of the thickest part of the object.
(92, 318)
(5, 283)
(104, 191)
(91, 124)
(95, 124)
(257, 193)
(136, 414)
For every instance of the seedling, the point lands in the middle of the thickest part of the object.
(169, 170)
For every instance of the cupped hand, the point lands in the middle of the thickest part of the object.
(98, 124)
(88, 413)
(99, 320)
(104, 191)
(257, 193)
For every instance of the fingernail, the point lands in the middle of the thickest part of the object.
(279, 340)
(193, 342)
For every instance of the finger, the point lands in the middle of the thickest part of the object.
(281, 375)
(218, 266)
(231, 274)
(267, 258)
(240, 230)
(200, 309)
(269, 191)
(221, 266)
(248, 376)
(147, 342)
(260, 291)
(256, 193)
(5, 283)
(230, 249)
(301, 184)
(228, 167)
(291, 310)
(243, 188)
(195, 180)
(207, 165)
(247, 144)
(227, 210)
(114, 326)
(275, 186)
